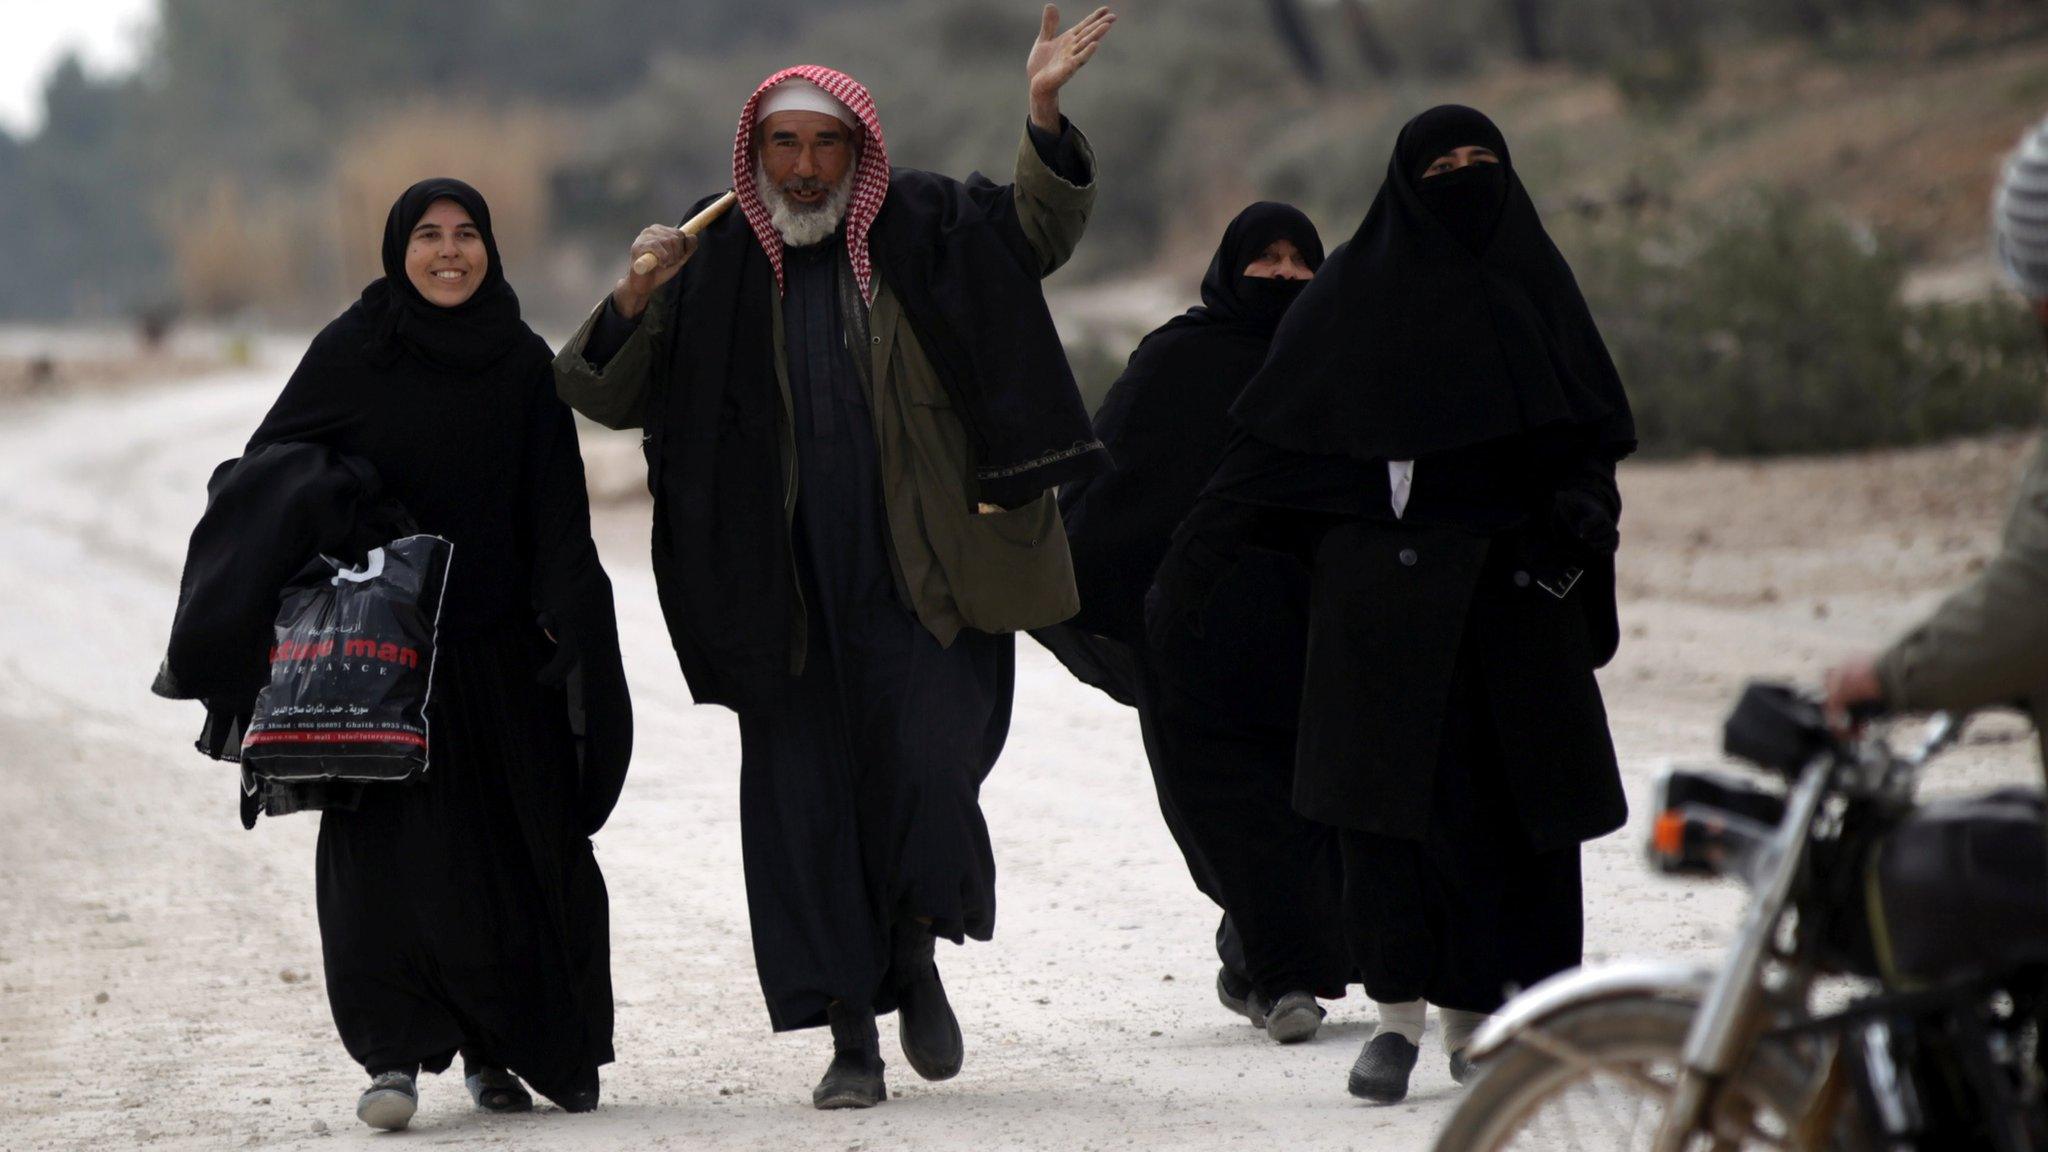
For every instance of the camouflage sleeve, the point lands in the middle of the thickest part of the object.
(1986, 645)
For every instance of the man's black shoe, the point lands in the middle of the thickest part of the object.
(1294, 1018)
(854, 1079)
(1234, 989)
(925, 1024)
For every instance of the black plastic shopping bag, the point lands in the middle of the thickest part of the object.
(352, 669)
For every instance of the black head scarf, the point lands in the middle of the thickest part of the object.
(466, 338)
(1448, 320)
(1253, 303)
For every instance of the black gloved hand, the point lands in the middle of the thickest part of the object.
(1586, 521)
(555, 673)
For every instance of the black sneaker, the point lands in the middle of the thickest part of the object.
(925, 1024)
(1381, 1073)
(854, 1078)
(1294, 1018)
(389, 1102)
(1234, 989)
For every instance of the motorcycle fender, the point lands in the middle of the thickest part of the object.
(1624, 979)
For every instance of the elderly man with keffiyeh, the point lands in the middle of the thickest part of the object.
(856, 411)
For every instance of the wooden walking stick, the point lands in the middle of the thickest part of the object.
(695, 224)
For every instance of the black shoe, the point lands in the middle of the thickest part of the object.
(1462, 1070)
(925, 1024)
(1294, 1018)
(854, 1078)
(1234, 989)
(1381, 1074)
(390, 1100)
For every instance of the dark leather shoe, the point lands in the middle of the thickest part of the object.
(925, 1024)
(1294, 1018)
(854, 1078)
(1381, 1074)
(1234, 990)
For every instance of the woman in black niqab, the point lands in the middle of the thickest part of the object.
(463, 909)
(1435, 431)
(1448, 320)
(1217, 712)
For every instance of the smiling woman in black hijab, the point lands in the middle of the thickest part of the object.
(463, 909)
(1217, 712)
(1436, 430)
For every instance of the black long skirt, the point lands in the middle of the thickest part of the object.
(1221, 736)
(1127, 676)
(1471, 913)
(464, 908)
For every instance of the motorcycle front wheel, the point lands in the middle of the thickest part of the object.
(1598, 1076)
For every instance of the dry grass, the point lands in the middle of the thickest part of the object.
(231, 253)
(506, 154)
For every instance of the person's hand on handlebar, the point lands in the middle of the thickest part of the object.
(1853, 692)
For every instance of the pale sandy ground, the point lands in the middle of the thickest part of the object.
(160, 979)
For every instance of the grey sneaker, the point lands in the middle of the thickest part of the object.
(1381, 1074)
(389, 1102)
(1294, 1018)
(1463, 1071)
(496, 1090)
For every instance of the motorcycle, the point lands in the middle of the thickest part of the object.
(1886, 988)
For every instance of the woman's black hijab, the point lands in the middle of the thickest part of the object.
(1253, 304)
(1448, 320)
(469, 337)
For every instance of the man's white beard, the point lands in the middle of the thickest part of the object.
(803, 225)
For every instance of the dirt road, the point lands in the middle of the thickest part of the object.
(160, 981)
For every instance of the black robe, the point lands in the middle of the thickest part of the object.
(862, 761)
(464, 908)
(860, 777)
(1217, 704)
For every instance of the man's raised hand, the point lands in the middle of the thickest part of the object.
(671, 249)
(1057, 56)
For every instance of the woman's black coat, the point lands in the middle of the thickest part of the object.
(1390, 605)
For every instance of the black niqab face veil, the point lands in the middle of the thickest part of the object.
(1255, 303)
(468, 337)
(1448, 320)
(1466, 201)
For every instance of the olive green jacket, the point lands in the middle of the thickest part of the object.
(1987, 645)
(1002, 571)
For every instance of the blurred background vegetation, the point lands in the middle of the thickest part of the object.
(1777, 207)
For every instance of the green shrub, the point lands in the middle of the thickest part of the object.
(1767, 326)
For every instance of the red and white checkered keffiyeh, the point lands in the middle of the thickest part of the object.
(870, 181)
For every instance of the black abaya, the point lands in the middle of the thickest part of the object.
(1217, 704)
(439, 898)
(463, 908)
(1225, 714)
(860, 778)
